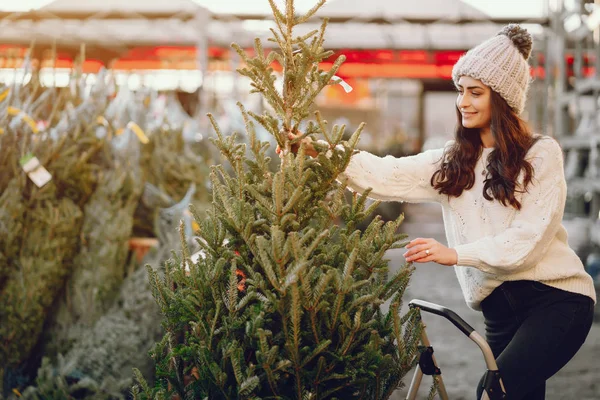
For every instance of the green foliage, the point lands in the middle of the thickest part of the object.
(285, 299)
(40, 227)
(51, 220)
(433, 391)
(170, 164)
(59, 382)
(64, 247)
(100, 266)
(173, 175)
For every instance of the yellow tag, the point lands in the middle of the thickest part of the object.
(102, 121)
(13, 111)
(119, 131)
(138, 132)
(16, 391)
(28, 120)
(195, 226)
(4, 94)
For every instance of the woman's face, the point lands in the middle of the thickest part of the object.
(474, 102)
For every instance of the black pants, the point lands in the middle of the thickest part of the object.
(533, 330)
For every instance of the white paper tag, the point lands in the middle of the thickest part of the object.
(345, 85)
(40, 176)
(29, 163)
(36, 172)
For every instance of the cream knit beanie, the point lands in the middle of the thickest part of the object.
(501, 64)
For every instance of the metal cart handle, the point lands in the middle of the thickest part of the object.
(444, 312)
(493, 379)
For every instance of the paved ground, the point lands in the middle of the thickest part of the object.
(460, 359)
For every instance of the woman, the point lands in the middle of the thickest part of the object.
(502, 192)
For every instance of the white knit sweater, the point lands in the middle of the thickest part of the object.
(494, 243)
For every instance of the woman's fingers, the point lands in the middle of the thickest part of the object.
(420, 250)
(418, 241)
(426, 259)
(418, 254)
(430, 250)
(295, 147)
(416, 250)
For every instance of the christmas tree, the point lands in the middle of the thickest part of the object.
(40, 222)
(284, 298)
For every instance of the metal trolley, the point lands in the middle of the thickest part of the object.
(493, 386)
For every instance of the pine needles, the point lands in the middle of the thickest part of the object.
(306, 323)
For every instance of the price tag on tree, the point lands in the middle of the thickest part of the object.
(36, 171)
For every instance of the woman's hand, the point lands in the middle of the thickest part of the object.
(309, 150)
(426, 250)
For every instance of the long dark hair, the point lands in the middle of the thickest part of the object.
(513, 140)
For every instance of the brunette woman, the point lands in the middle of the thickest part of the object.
(502, 191)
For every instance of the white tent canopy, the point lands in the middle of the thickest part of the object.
(118, 24)
(104, 33)
(377, 11)
(355, 35)
(130, 7)
(398, 10)
(109, 23)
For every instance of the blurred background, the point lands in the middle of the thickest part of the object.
(171, 63)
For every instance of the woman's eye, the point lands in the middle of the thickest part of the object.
(476, 94)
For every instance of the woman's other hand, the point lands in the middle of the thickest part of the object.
(309, 149)
(426, 250)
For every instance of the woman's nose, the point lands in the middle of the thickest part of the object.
(462, 102)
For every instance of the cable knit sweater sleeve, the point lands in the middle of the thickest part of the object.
(522, 245)
(395, 179)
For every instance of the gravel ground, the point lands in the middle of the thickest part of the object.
(458, 357)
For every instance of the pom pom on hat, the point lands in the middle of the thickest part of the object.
(520, 38)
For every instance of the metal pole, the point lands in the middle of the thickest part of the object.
(559, 72)
(536, 87)
(234, 63)
(418, 376)
(415, 384)
(202, 58)
(488, 355)
(545, 118)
